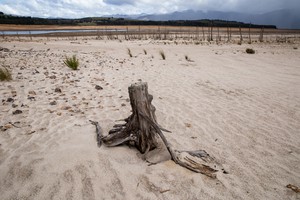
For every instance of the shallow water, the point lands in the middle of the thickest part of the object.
(39, 32)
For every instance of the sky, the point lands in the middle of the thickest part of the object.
(92, 8)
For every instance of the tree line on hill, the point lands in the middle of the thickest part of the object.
(20, 20)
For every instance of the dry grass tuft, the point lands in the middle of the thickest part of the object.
(129, 52)
(72, 62)
(162, 54)
(187, 58)
(5, 74)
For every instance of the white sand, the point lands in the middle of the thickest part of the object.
(242, 109)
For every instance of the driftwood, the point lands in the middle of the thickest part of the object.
(142, 130)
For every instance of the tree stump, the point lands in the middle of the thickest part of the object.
(142, 130)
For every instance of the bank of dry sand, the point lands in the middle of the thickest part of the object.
(243, 109)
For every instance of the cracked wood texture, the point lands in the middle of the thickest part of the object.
(140, 101)
(136, 131)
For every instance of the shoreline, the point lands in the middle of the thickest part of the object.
(167, 33)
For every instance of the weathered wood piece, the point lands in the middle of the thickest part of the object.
(142, 130)
(197, 161)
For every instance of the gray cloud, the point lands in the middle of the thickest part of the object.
(119, 2)
(84, 8)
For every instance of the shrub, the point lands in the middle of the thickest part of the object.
(72, 62)
(250, 51)
(162, 53)
(129, 52)
(145, 52)
(5, 74)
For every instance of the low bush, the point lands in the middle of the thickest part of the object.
(250, 51)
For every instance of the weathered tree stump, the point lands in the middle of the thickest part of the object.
(141, 130)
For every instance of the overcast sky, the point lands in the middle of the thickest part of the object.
(85, 8)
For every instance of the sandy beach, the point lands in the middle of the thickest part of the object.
(243, 109)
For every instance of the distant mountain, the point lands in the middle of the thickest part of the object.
(126, 16)
(117, 20)
(281, 18)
